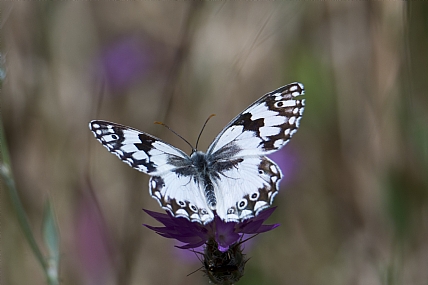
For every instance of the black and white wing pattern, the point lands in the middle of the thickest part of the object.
(264, 127)
(146, 153)
(233, 179)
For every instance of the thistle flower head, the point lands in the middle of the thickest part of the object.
(223, 260)
(223, 267)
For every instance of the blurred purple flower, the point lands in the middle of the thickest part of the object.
(288, 161)
(195, 234)
(124, 62)
(93, 244)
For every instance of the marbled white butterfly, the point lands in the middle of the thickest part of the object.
(233, 179)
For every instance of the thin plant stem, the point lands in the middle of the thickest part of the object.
(6, 173)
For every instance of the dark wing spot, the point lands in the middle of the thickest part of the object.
(254, 196)
(146, 143)
(248, 124)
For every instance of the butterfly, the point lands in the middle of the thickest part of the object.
(234, 179)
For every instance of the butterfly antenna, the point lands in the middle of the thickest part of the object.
(203, 127)
(160, 123)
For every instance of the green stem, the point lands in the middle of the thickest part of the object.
(6, 172)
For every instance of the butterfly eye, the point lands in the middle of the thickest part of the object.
(204, 212)
(261, 172)
(231, 211)
(115, 137)
(181, 203)
(193, 208)
(242, 204)
(254, 196)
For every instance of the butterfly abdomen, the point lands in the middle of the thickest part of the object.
(209, 193)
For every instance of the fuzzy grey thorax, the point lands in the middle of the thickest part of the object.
(203, 175)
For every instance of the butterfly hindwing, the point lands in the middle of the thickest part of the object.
(248, 189)
(181, 196)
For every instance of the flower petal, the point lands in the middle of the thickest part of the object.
(255, 225)
(225, 234)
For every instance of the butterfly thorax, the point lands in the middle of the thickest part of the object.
(204, 175)
(207, 169)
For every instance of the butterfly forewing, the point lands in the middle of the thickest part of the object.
(139, 150)
(265, 126)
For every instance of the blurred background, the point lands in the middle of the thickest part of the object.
(353, 205)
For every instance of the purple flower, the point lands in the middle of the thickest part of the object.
(124, 62)
(225, 234)
(93, 243)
